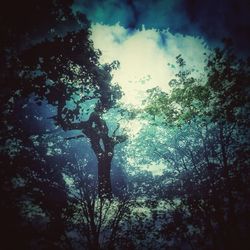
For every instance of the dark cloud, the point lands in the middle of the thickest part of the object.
(213, 19)
(221, 18)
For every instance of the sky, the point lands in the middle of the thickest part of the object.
(211, 19)
(146, 36)
(147, 57)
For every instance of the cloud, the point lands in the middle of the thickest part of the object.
(107, 11)
(145, 56)
(211, 20)
(217, 19)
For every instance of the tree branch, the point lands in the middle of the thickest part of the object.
(119, 139)
(74, 137)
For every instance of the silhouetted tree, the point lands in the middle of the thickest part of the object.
(208, 118)
(47, 58)
(98, 220)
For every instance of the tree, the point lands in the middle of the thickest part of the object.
(65, 72)
(29, 178)
(32, 181)
(208, 120)
(98, 220)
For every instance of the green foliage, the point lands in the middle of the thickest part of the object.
(223, 93)
(207, 126)
(228, 79)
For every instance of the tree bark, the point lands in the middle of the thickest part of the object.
(104, 179)
(103, 147)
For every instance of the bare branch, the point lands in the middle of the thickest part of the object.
(74, 137)
(119, 139)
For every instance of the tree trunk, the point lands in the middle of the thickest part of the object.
(96, 129)
(104, 180)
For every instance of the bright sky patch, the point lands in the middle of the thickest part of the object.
(147, 57)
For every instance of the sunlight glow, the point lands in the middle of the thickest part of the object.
(133, 127)
(147, 57)
(156, 168)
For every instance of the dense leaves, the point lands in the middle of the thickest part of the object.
(207, 154)
(51, 83)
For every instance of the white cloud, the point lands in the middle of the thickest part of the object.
(143, 59)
